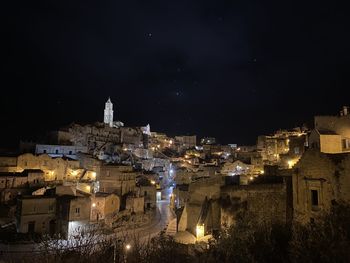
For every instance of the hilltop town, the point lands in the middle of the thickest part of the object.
(117, 178)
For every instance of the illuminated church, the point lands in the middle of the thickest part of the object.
(108, 115)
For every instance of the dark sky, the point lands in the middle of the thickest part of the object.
(229, 69)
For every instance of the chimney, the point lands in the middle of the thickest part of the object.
(345, 110)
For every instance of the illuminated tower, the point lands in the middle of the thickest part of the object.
(108, 113)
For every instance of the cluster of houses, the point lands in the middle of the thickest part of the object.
(104, 172)
(288, 176)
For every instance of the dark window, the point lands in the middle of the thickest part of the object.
(31, 227)
(145, 193)
(77, 210)
(56, 151)
(70, 152)
(44, 151)
(314, 197)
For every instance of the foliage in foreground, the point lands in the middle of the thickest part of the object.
(327, 240)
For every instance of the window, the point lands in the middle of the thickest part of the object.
(314, 197)
(145, 193)
(50, 208)
(296, 150)
(44, 151)
(346, 143)
(77, 210)
(56, 151)
(70, 152)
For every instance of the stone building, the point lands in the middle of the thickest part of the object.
(26, 178)
(36, 214)
(103, 205)
(185, 142)
(331, 133)
(73, 214)
(273, 147)
(149, 192)
(118, 179)
(8, 163)
(12, 184)
(318, 180)
(58, 169)
(59, 150)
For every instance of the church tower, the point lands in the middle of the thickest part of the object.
(108, 113)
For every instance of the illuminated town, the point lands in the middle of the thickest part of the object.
(175, 132)
(121, 182)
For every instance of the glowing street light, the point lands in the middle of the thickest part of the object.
(290, 164)
(128, 247)
(200, 231)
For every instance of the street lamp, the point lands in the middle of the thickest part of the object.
(127, 248)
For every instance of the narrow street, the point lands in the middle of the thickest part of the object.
(161, 221)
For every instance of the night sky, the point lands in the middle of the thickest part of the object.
(228, 69)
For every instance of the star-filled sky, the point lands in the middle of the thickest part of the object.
(228, 69)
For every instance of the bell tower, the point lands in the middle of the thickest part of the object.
(108, 113)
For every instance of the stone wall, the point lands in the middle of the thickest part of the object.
(318, 180)
(265, 202)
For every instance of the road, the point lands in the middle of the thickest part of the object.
(165, 214)
(161, 221)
